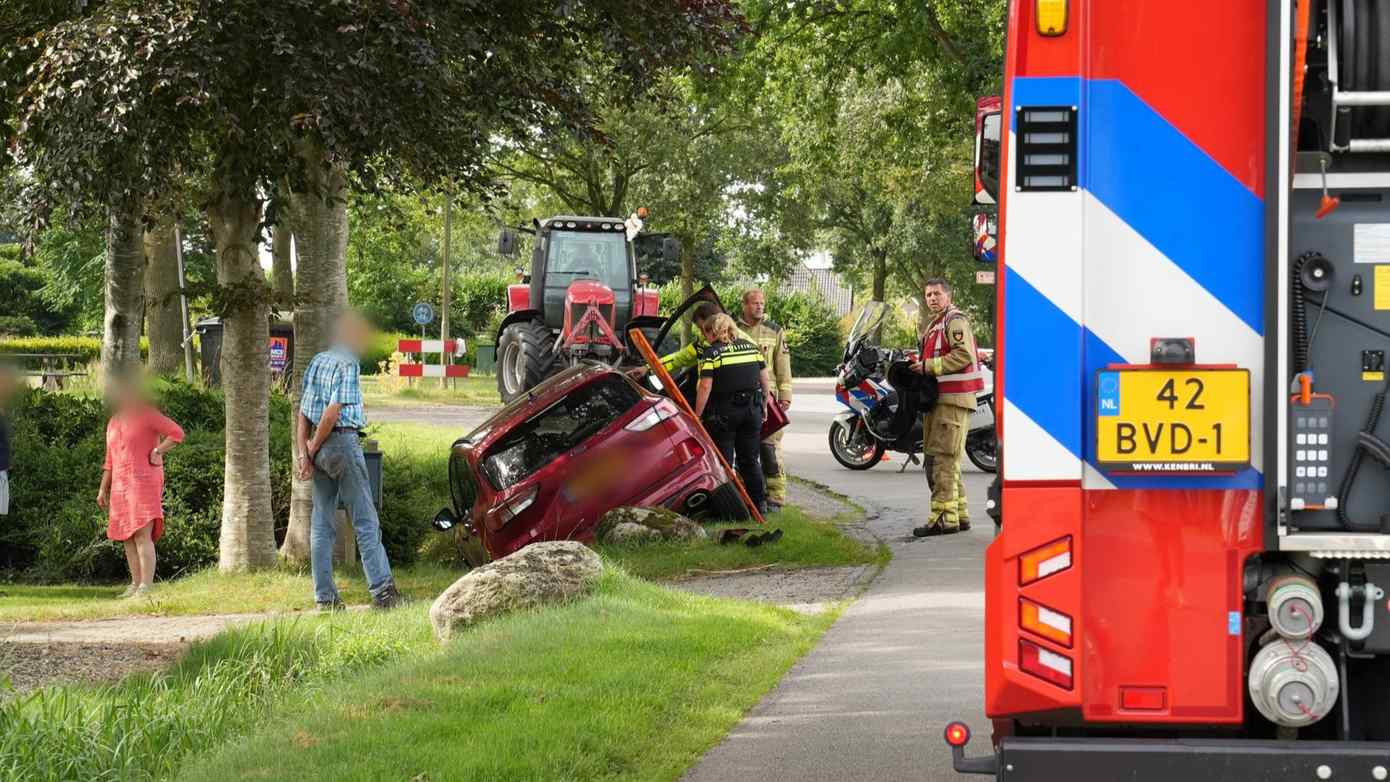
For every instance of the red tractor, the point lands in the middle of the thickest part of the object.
(582, 295)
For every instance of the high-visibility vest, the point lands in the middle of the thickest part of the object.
(969, 380)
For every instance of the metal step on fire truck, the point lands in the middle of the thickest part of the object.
(1192, 577)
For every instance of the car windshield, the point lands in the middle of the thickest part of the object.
(556, 429)
(462, 483)
(589, 254)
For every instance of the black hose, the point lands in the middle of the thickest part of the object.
(1349, 478)
(1298, 315)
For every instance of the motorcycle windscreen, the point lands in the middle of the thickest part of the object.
(868, 322)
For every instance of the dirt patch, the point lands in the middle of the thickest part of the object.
(177, 630)
(32, 665)
(304, 740)
(816, 503)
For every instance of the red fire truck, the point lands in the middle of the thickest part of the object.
(1190, 581)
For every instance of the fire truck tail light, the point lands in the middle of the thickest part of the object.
(1041, 620)
(1051, 16)
(1044, 561)
(1046, 665)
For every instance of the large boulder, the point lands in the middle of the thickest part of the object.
(628, 526)
(540, 574)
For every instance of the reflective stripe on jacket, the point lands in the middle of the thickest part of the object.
(937, 345)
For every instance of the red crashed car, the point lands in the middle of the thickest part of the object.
(549, 464)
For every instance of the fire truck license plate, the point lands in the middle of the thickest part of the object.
(1173, 420)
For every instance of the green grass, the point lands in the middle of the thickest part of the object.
(146, 726)
(207, 592)
(634, 683)
(381, 391)
(805, 542)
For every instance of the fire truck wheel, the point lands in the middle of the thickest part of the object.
(726, 503)
(523, 358)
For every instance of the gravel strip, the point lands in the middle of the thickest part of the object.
(28, 666)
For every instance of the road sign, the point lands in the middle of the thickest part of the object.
(984, 277)
(423, 313)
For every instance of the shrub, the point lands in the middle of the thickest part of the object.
(56, 531)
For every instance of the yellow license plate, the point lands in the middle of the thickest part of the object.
(1173, 420)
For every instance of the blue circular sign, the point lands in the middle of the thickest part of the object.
(423, 313)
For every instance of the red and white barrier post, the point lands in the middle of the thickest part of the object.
(419, 347)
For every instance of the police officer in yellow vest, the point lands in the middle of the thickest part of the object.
(772, 342)
(948, 353)
(689, 356)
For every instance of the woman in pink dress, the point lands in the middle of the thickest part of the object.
(132, 481)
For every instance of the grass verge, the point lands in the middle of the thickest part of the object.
(806, 542)
(207, 592)
(148, 725)
(634, 683)
(473, 391)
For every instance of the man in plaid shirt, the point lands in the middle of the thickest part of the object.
(331, 419)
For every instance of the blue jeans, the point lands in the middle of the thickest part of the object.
(340, 474)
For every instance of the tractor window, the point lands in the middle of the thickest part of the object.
(552, 432)
(592, 255)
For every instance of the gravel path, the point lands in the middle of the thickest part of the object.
(808, 590)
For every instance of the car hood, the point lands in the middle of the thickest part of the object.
(537, 399)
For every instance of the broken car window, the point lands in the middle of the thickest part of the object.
(556, 429)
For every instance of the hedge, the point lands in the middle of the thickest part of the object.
(88, 348)
(56, 532)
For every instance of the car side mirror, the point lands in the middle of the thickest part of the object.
(444, 520)
(671, 250)
(507, 242)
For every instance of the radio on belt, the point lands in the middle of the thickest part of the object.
(1311, 446)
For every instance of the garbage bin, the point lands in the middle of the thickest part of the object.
(486, 362)
(210, 350)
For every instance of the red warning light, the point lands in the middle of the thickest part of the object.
(957, 734)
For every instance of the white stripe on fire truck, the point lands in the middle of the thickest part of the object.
(1031, 452)
(1150, 296)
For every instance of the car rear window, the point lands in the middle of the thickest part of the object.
(556, 429)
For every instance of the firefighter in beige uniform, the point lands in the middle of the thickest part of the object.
(948, 353)
(772, 342)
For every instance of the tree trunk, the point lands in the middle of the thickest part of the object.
(321, 234)
(125, 289)
(282, 263)
(880, 276)
(163, 315)
(248, 528)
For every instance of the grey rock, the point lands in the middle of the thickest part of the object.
(616, 526)
(538, 575)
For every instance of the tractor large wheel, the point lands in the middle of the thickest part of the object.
(524, 358)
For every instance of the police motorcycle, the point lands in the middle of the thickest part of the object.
(887, 401)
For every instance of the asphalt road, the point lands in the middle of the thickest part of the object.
(872, 700)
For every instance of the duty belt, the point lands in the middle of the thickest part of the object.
(737, 397)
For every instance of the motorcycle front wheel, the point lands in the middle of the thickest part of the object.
(983, 450)
(853, 447)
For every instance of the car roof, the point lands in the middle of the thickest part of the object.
(537, 399)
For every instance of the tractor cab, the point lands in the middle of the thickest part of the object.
(582, 294)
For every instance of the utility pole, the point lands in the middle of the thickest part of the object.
(183, 307)
(444, 312)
